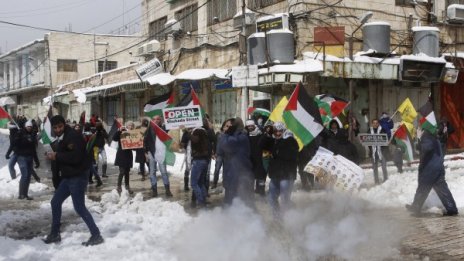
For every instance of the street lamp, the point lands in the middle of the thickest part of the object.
(366, 16)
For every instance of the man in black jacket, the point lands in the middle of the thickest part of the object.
(24, 144)
(74, 164)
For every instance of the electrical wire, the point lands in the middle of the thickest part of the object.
(49, 11)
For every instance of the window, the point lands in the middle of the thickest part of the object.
(107, 65)
(156, 27)
(188, 18)
(222, 9)
(256, 4)
(67, 65)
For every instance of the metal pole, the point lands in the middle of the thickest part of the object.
(245, 94)
(351, 89)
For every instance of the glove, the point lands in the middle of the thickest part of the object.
(7, 157)
(37, 165)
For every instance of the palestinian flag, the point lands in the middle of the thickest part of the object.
(47, 136)
(163, 141)
(259, 112)
(156, 105)
(114, 128)
(191, 99)
(4, 117)
(302, 117)
(428, 121)
(403, 140)
(330, 106)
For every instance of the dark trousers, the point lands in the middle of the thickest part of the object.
(123, 173)
(25, 166)
(74, 187)
(438, 183)
(217, 168)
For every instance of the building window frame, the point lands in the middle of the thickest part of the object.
(66, 65)
(222, 9)
(258, 4)
(156, 27)
(109, 65)
(190, 22)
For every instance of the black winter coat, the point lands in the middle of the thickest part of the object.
(24, 143)
(72, 159)
(124, 158)
(256, 154)
(284, 159)
(431, 156)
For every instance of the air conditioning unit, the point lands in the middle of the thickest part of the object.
(141, 50)
(250, 18)
(455, 13)
(152, 47)
(172, 27)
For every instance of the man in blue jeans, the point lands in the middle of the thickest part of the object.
(74, 165)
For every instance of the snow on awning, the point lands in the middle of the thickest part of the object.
(161, 79)
(89, 90)
(306, 66)
(202, 74)
(7, 100)
(48, 99)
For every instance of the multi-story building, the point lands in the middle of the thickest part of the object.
(205, 34)
(33, 71)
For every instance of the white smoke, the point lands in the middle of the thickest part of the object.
(318, 226)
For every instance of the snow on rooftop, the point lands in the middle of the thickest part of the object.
(423, 58)
(200, 74)
(37, 41)
(304, 66)
(376, 23)
(160, 79)
(425, 28)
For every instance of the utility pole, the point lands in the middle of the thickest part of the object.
(243, 58)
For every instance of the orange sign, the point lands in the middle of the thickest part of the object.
(132, 139)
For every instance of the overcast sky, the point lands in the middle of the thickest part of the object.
(80, 15)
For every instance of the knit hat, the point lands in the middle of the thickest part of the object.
(250, 123)
(280, 126)
(28, 124)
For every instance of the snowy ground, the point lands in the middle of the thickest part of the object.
(354, 227)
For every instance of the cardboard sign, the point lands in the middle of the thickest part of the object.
(132, 139)
(186, 116)
(368, 139)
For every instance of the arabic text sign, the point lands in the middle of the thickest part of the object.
(132, 139)
(368, 139)
(187, 116)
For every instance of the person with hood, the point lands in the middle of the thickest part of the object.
(219, 160)
(124, 158)
(431, 174)
(445, 129)
(74, 164)
(237, 175)
(378, 153)
(24, 143)
(254, 135)
(282, 168)
(100, 139)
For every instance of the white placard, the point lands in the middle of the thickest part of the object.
(186, 116)
(150, 68)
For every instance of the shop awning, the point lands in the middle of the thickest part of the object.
(161, 79)
(47, 99)
(26, 89)
(7, 100)
(203, 74)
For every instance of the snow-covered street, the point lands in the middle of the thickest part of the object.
(367, 225)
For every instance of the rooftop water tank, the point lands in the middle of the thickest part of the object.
(426, 40)
(280, 44)
(256, 49)
(376, 36)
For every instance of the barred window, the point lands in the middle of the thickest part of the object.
(156, 27)
(107, 65)
(256, 4)
(452, 2)
(188, 18)
(65, 65)
(222, 9)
